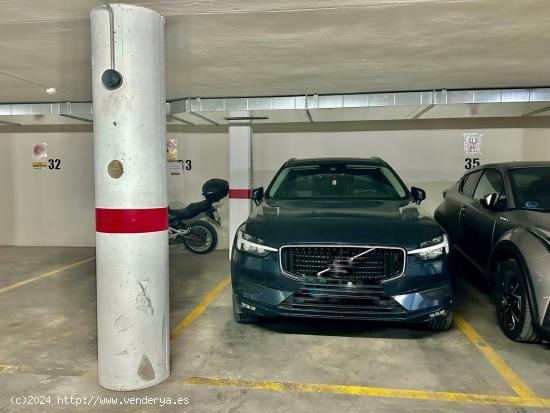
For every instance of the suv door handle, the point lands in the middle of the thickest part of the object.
(463, 210)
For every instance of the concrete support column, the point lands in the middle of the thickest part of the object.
(130, 188)
(240, 172)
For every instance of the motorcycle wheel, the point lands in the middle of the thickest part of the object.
(201, 238)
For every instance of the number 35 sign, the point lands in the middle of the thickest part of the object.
(472, 149)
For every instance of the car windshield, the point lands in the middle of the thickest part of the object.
(337, 181)
(531, 187)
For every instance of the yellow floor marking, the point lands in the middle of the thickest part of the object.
(8, 368)
(519, 386)
(199, 309)
(48, 274)
(59, 371)
(370, 391)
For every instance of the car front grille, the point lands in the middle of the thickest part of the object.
(342, 298)
(351, 263)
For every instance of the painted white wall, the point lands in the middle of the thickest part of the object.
(47, 207)
(537, 144)
(57, 207)
(44, 207)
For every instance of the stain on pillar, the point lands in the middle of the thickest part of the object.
(145, 369)
(143, 302)
(115, 169)
(122, 323)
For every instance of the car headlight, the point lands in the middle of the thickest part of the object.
(432, 249)
(252, 245)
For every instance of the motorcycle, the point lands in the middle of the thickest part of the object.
(199, 237)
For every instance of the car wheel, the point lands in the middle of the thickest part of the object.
(243, 317)
(512, 303)
(441, 323)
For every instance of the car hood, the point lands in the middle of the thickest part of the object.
(397, 223)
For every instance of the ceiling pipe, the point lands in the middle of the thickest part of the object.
(178, 119)
(539, 96)
(308, 113)
(536, 112)
(111, 33)
(76, 118)
(198, 115)
(251, 118)
(423, 111)
(5, 122)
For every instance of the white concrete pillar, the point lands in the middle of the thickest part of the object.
(130, 191)
(240, 172)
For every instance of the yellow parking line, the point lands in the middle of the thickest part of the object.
(59, 371)
(48, 274)
(199, 309)
(8, 368)
(519, 386)
(370, 391)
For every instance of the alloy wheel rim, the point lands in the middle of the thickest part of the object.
(510, 302)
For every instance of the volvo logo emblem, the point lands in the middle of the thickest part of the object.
(342, 267)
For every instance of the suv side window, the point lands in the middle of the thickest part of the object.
(469, 182)
(491, 182)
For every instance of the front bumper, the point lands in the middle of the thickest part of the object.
(421, 294)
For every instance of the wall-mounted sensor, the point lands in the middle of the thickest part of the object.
(111, 79)
(51, 91)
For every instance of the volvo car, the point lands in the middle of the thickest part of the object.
(343, 239)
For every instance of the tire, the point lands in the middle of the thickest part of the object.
(512, 303)
(441, 323)
(202, 237)
(243, 317)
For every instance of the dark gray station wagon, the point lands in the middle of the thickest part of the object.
(341, 238)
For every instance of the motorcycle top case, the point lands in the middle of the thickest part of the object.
(215, 189)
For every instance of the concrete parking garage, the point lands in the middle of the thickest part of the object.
(93, 299)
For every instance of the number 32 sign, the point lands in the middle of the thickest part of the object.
(54, 163)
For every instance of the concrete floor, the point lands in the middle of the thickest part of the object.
(48, 347)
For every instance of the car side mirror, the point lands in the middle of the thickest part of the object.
(418, 194)
(257, 195)
(489, 201)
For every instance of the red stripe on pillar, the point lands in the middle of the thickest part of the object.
(131, 221)
(239, 193)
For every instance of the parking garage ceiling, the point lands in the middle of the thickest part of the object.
(288, 47)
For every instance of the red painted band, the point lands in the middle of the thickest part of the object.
(239, 193)
(131, 221)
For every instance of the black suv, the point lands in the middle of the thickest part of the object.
(341, 238)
